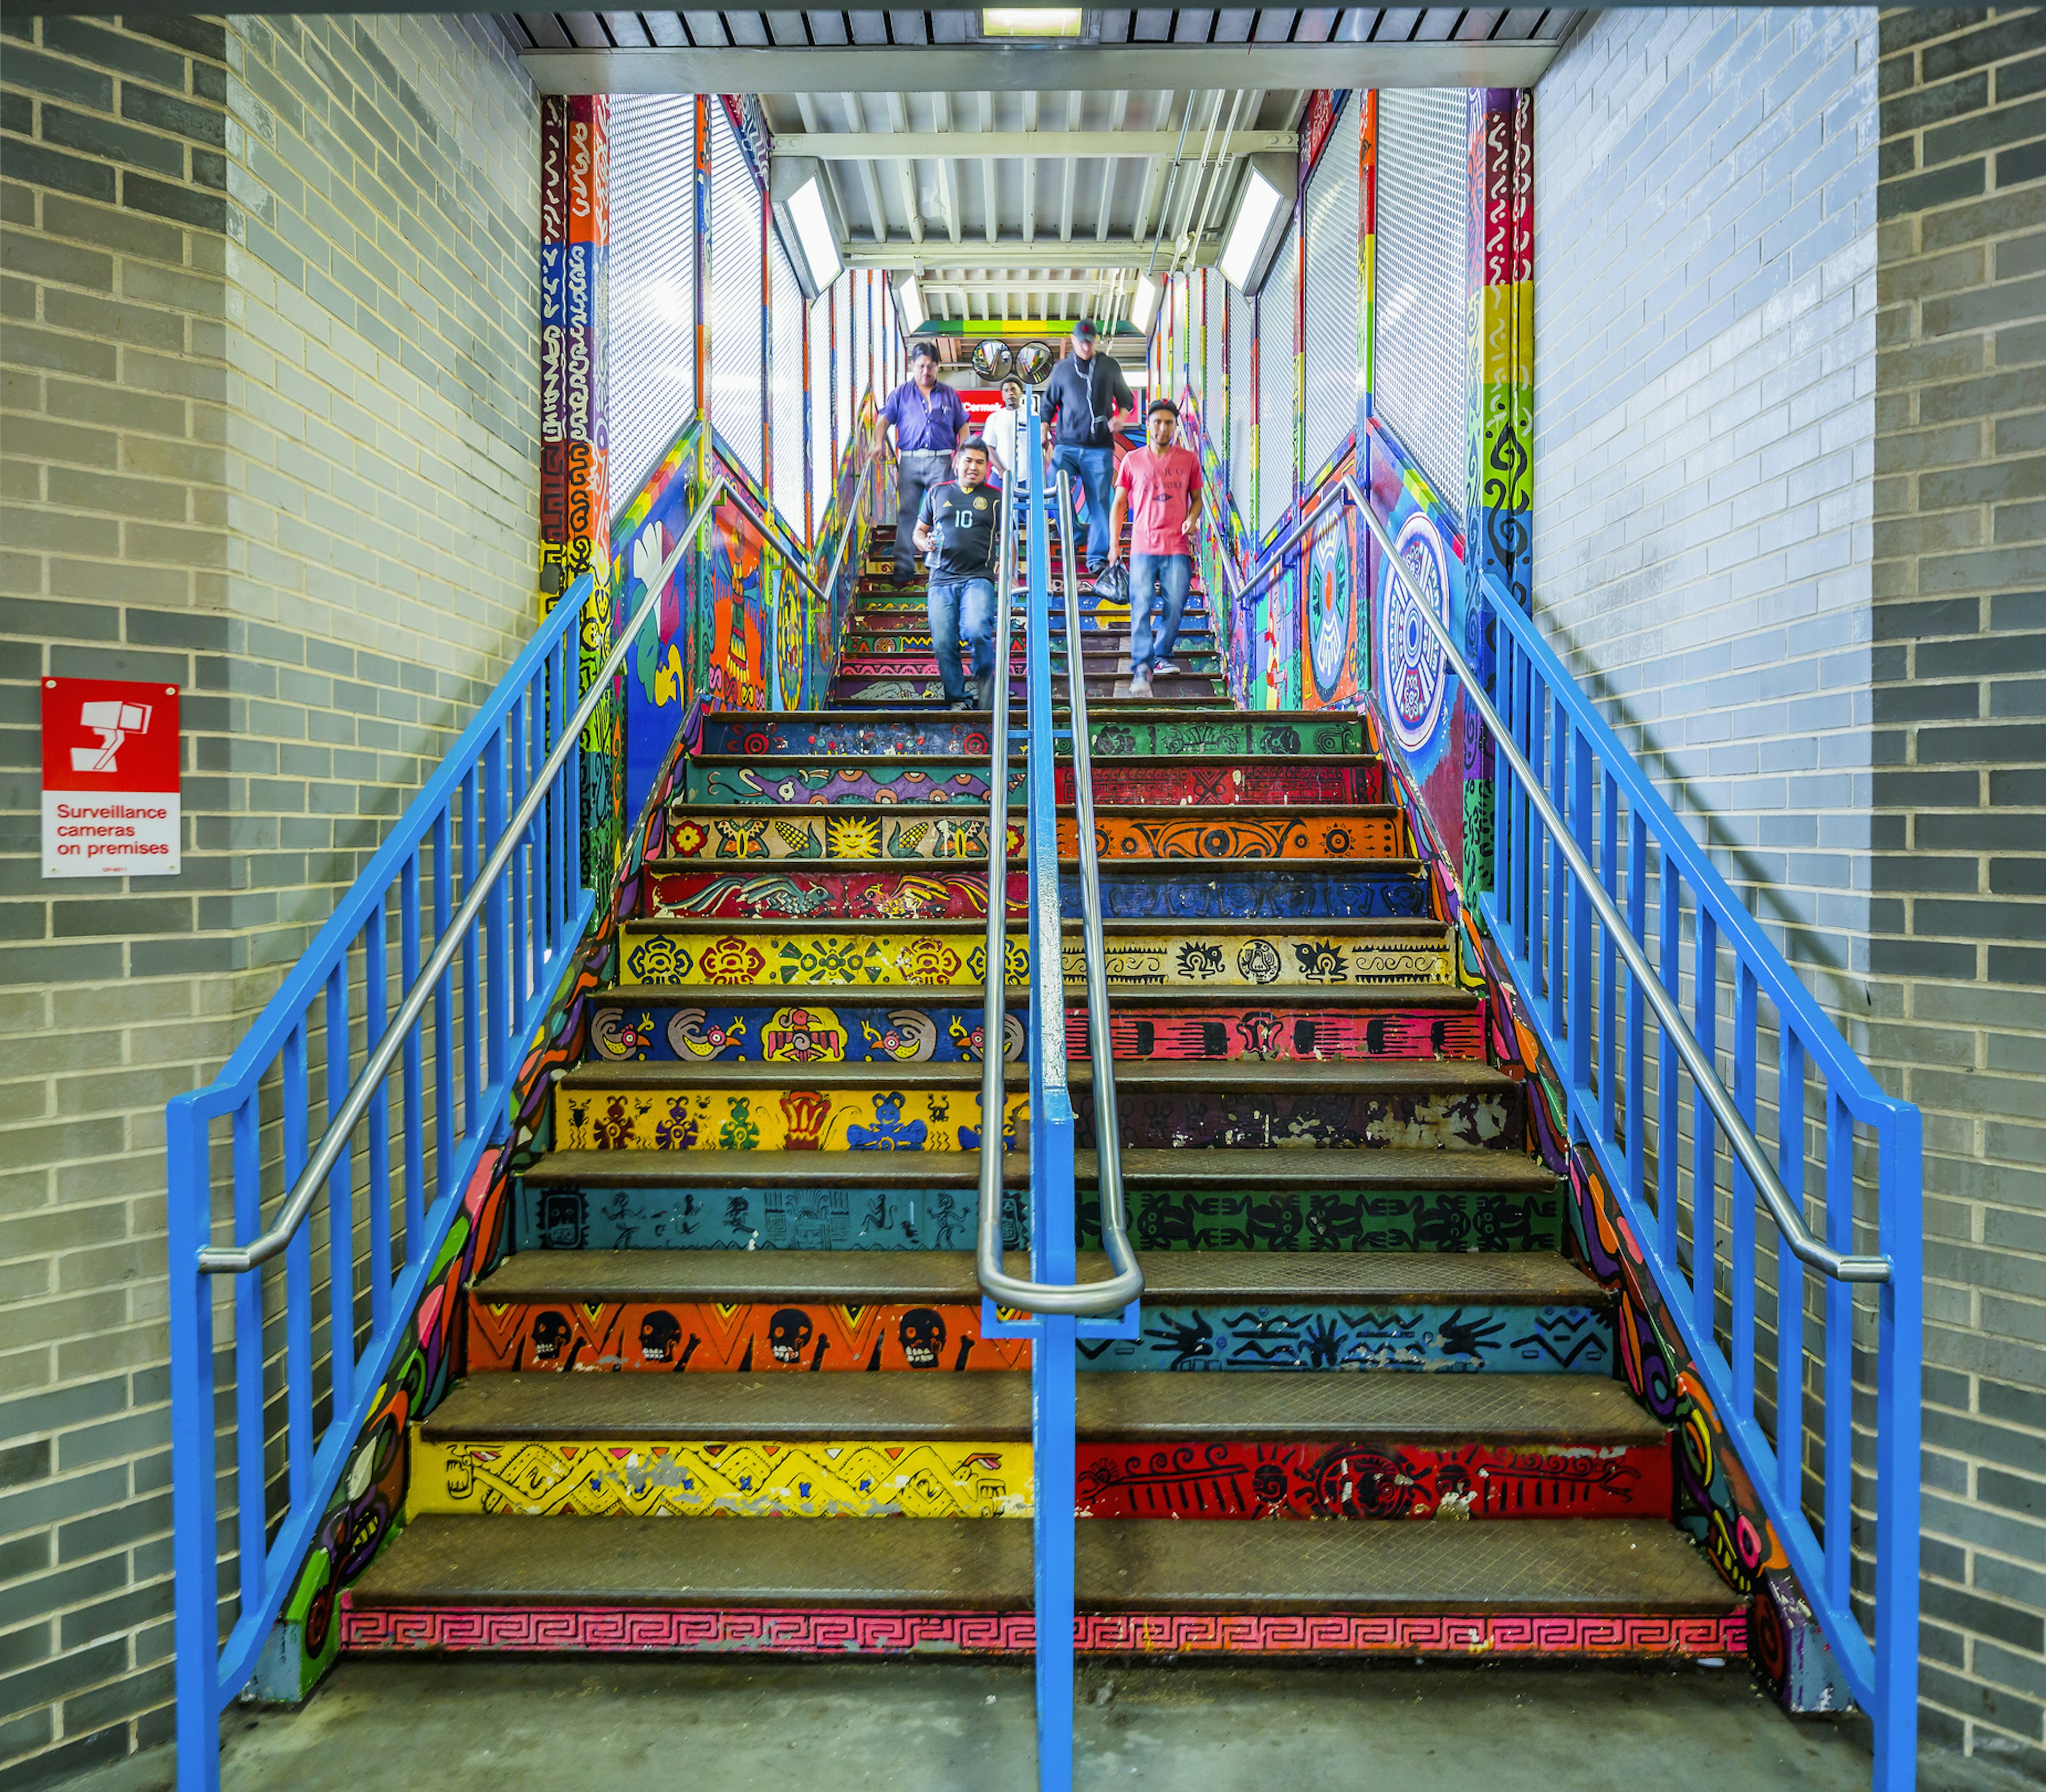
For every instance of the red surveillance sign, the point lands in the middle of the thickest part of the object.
(110, 799)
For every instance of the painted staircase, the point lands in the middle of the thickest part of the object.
(766, 1168)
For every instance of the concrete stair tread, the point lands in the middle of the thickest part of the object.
(964, 868)
(968, 995)
(1559, 1411)
(1195, 1075)
(1380, 1168)
(1180, 1278)
(1598, 1565)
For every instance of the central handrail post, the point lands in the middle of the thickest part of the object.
(1054, 1245)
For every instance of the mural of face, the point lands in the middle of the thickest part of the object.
(658, 1336)
(550, 1335)
(923, 1335)
(787, 1333)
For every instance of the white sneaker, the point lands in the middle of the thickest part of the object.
(1163, 666)
(1139, 685)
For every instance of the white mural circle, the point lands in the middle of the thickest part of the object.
(1328, 608)
(1412, 680)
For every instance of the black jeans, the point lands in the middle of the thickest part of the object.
(916, 473)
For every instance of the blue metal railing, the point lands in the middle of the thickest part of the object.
(498, 821)
(1063, 1309)
(1583, 834)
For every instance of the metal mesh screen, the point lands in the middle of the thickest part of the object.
(1242, 409)
(1275, 390)
(1330, 403)
(1422, 279)
(785, 319)
(737, 322)
(653, 339)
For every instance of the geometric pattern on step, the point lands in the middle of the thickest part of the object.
(797, 1119)
(1474, 1339)
(795, 784)
(1161, 1219)
(1238, 958)
(1189, 893)
(934, 1032)
(912, 834)
(670, 1337)
(761, 1630)
(1371, 1481)
(745, 1479)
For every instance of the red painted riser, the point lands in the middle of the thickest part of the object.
(746, 1629)
(1363, 1482)
(1188, 785)
(1218, 1032)
(925, 893)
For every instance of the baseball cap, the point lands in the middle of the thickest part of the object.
(1084, 331)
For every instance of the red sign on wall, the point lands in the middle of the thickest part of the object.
(110, 796)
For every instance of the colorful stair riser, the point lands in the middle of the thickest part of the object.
(668, 1337)
(909, 1219)
(766, 1630)
(792, 957)
(798, 735)
(745, 1032)
(1330, 1478)
(909, 832)
(1181, 785)
(823, 1118)
(883, 693)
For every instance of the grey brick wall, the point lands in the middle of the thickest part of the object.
(269, 429)
(1959, 738)
(1790, 357)
(1704, 301)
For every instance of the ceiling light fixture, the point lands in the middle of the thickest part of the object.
(1144, 302)
(914, 311)
(1252, 231)
(1030, 22)
(813, 231)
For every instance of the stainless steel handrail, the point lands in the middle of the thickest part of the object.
(1125, 1283)
(1844, 1266)
(223, 1260)
(866, 466)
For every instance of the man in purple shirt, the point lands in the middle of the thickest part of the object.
(929, 420)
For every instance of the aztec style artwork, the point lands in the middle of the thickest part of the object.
(1319, 1119)
(1715, 1501)
(1220, 834)
(675, 1338)
(1368, 1482)
(755, 1629)
(1424, 1339)
(1305, 1034)
(675, 953)
(906, 831)
(592, 1218)
(863, 1218)
(866, 735)
(929, 781)
(741, 1479)
(839, 1033)
(1274, 892)
(1172, 959)
(795, 1119)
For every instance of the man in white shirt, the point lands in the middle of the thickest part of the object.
(1003, 434)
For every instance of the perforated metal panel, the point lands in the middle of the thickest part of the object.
(737, 325)
(842, 376)
(1423, 279)
(653, 346)
(1216, 290)
(785, 319)
(1242, 407)
(1330, 405)
(822, 468)
(1275, 389)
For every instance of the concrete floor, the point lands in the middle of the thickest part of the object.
(719, 1726)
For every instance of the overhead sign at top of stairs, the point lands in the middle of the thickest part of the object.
(110, 794)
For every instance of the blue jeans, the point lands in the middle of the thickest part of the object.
(963, 606)
(1162, 579)
(1094, 474)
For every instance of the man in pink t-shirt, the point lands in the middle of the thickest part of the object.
(1159, 487)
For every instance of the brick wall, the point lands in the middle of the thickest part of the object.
(1704, 336)
(1959, 734)
(269, 322)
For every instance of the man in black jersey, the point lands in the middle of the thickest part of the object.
(959, 528)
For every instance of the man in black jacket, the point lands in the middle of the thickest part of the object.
(1086, 398)
(960, 526)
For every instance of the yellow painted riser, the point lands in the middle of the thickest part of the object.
(742, 1479)
(1293, 958)
(771, 1120)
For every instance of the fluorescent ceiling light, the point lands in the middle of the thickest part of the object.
(1030, 22)
(1253, 214)
(813, 230)
(913, 312)
(1145, 301)
(1136, 378)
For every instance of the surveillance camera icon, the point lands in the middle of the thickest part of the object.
(112, 721)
